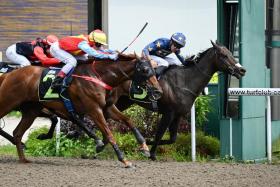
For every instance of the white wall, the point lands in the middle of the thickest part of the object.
(197, 19)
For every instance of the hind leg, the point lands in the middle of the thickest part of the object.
(165, 122)
(5, 108)
(115, 114)
(28, 116)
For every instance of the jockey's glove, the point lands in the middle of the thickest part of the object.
(113, 56)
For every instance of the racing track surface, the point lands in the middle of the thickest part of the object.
(86, 172)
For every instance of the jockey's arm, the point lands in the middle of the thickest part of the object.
(43, 58)
(84, 46)
(181, 58)
(110, 51)
(146, 53)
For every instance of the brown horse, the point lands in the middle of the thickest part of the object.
(19, 89)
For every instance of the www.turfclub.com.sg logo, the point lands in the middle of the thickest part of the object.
(255, 91)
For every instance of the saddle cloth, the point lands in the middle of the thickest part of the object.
(45, 92)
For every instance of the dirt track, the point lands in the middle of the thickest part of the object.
(78, 172)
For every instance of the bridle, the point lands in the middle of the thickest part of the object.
(230, 69)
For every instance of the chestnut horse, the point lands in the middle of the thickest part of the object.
(19, 89)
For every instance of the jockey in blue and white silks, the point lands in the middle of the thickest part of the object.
(157, 52)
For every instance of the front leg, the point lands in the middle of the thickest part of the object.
(113, 112)
(97, 116)
(49, 135)
(173, 130)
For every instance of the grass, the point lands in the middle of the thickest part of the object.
(8, 150)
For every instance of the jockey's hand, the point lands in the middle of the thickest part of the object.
(36, 63)
(113, 56)
(153, 63)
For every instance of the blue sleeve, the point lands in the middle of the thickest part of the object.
(108, 51)
(90, 51)
(180, 57)
(150, 48)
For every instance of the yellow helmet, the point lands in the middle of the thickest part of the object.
(98, 36)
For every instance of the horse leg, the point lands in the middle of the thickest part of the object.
(98, 117)
(7, 136)
(115, 114)
(91, 133)
(173, 129)
(165, 121)
(49, 135)
(7, 105)
(28, 117)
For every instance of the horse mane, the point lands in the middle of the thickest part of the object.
(200, 55)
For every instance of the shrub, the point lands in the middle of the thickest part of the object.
(206, 146)
(202, 108)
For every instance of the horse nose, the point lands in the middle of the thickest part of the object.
(242, 71)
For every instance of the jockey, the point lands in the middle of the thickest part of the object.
(157, 52)
(67, 48)
(29, 53)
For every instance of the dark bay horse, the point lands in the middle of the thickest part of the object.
(19, 89)
(181, 86)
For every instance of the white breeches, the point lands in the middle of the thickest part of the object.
(16, 58)
(166, 61)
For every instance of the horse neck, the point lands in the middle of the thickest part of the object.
(204, 70)
(114, 73)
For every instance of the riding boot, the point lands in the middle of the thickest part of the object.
(160, 70)
(58, 80)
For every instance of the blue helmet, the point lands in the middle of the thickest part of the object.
(179, 38)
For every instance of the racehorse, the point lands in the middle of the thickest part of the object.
(181, 86)
(19, 89)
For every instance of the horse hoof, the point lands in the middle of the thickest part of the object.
(98, 149)
(42, 137)
(153, 157)
(24, 161)
(127, 164)
(146, 153)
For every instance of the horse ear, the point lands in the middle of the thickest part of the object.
(214, 44)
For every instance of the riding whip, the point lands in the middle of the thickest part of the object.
(135, 37)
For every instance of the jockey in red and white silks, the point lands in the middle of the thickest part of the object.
(69, 48)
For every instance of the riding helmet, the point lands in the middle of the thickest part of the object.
(179, 38)
(98, 36)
